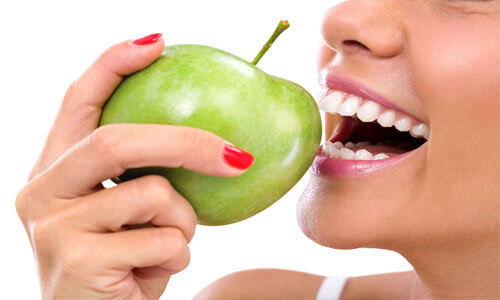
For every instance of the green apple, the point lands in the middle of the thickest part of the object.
(198, 86)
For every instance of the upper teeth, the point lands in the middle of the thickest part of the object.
(368, 111)
(350, 106)
(387, 118)
(421, 130)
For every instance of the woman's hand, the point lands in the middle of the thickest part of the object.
(79, 231)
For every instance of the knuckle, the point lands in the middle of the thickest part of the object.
(52, 225)
(161, 193)
(169, 238)
(189, 222)
(183, 261)
(27, 201)
(176, 240)
(103, 59)
(71, 92)
(41, 231)
(51, 236)
(156, 188)
(22, 202)
(194, 139)
(106, 139)
(178, 250)
(191, 225)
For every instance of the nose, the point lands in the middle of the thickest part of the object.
(364, 27)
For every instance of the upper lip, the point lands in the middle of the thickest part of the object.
(337, 82)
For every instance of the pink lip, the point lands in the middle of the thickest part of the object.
(333, 168)
(341, 83)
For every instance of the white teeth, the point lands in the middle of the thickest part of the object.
(369, 111)
(347, 154)
(363, 144)
(403, 124)
(387, 118)
(321, 94)
(421, 130)
(427, 134)
(332, 102)
(350, 106)
(334, 152)
(331, 151)
(380, 156)
(345, 104)
(363, 155)
(337, 145)
(350, 145)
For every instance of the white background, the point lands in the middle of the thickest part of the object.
(45, 45)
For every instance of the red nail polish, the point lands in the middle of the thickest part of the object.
(149, 39)
(237, 158)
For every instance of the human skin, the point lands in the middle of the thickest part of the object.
(440, 61)
(78, 229)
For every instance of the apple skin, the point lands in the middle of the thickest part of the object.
(276, 120)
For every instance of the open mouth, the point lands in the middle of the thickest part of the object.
(369, 130)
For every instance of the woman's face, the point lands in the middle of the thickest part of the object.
(438, 63)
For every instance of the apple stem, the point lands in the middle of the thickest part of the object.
(282, 26)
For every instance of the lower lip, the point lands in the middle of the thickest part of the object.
(333, 168)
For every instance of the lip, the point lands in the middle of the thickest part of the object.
(337, 82)
(334, 168)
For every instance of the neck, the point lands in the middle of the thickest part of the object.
(456, 271)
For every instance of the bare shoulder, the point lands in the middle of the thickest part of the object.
(263, 284)
(279, 284)
(379, 286)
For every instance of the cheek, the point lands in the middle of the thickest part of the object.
(456, 64)
(457, 67)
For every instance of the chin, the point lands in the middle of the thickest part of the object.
(339, 215)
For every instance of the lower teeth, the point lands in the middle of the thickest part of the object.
(338, 150)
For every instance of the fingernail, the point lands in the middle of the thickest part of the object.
(237, 158)
(148, 39)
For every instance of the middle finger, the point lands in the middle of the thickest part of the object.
(139, 201)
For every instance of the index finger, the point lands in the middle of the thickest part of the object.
(81, 108)
(112, 149)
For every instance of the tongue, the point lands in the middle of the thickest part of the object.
(345, 129)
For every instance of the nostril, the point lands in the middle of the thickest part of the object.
(355, 45)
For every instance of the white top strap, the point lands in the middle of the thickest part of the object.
(331, 288)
